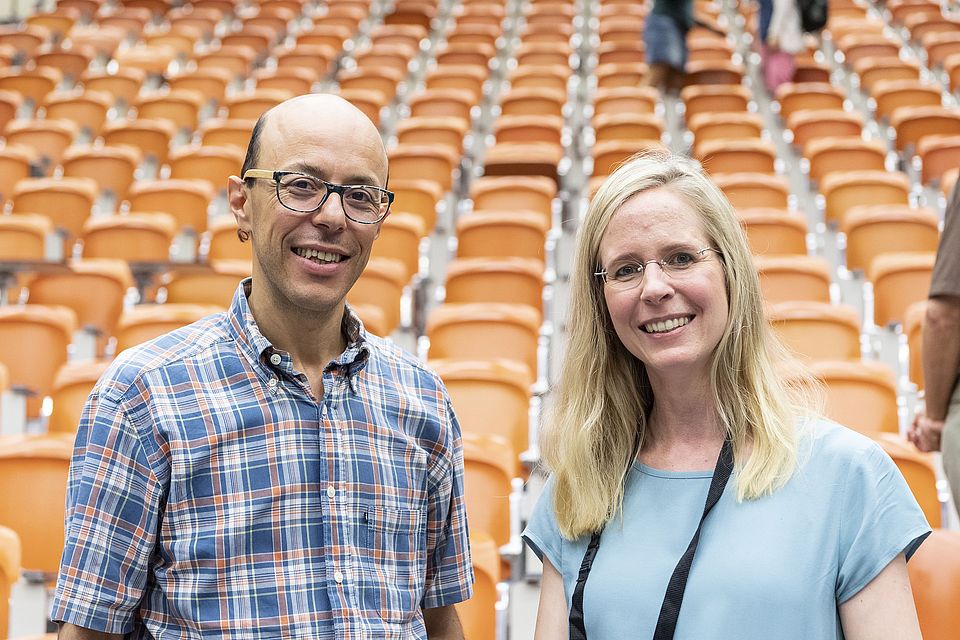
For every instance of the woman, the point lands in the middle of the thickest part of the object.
(669, 362)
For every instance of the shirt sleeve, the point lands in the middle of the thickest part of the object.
(112, 516)
(879, 520)
(946, 270)
(449, 571)
(542, 534)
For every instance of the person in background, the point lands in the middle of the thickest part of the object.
(937, 427)
(665, 42)
(688, 465)
(274, 471)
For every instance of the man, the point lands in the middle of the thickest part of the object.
(938, 426)
(274, 471)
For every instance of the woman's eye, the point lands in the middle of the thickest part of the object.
(681, 259)
(626, 271)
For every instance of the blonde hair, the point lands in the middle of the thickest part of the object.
(603, 397)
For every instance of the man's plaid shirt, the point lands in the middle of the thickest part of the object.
(210, 495)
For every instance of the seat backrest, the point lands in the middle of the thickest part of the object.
(493, 234)
(215, 286)
(34, 341)
(774, 231)
(9, 574)
(878, 229)
(899, 280)
(145, 322)
(478, 615)
(749, 190)
(919, 472)
(861, 395)
(506, 280)
(488, 464)
(785, 278)
(817, 330)
(71, 387)
(381, 284)
(33, 472)
(400, 237)
(935, 578)
(913, 327)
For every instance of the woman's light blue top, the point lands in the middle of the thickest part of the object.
(775, 567)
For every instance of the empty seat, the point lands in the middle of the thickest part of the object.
(828, 155)
(71, 387)
(32, 84)
(873, 69)
(817, 330)
(35, 340)
(211, 83)
(400, 237)
(913, 322)
(87, 110)
(873, 230)
(223, 243)
(890, 95)
(478, 615)
(181, 107)
(123, 84)
(417, 196)
(620, 74)
(213, 165)
(814, 124)
(150, 137)
(426, 130)
(609, 154)
(938, 154)
(774, 231)
(136, 237)
(725, 126)
(794, 96)
(48, 138)
(935, 580)
(495, 234)
(786, 278)
(899, 280)
(186, 200)
(751, 190)
(515, 193)
(215, 286)
(15, 165)
(618, 100)
(383, 80)
(250, 106)
(484, 331)
(220, 132)
(23, 236)
(293, 79)
(381, 284)
(33, 471)
(111, 167)
(416, 161)
(149, 321)
(501, 280)
(450, 103)
(488, 471)
(740, 155)
(10, 573)
(66, 201)
(861, 395)
(627, 126)
(463, 77)
(843, 190)
(714, 99)
(490, 396)
(913, 123)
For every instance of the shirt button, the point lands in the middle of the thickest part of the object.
(338, 577)
(275, 359)
(272, 382)
(331, 492)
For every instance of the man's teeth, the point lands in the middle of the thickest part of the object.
(666, 325)
(313, 254)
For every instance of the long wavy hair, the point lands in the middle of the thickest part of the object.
(603, 397)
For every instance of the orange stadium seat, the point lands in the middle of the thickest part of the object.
(873, 230)
(400, 237)
(841, 155)
(609, 154)
(34, 471)
(510, 193)
(484, 331)
(490, 396)
(939, 46)
(714, 98)
(220, 132)
(186, 200)
(501, 234)
(48, 138)
(856, 46)
(87, 110)
(478, 615)
(620, 74)
(136, 237)
(794, 96)
(10, 573)
(417, 196)
(619, 100)
(9, 105)
(488, 466)
(627, 126)
(815, 124)
(151, 137)
(899, 280)
(181, 107)
(938, 154)
(774, 231)
(31, 84)
(861, 395)
(381, 284)
(462, 77)
(544, 129)
(71, 387)
(93, 289)
(621, 52)
(383, 80)
(843, 190)
(71, 62)
(442, 130)
(501, 280)
(751, 190)
(149, 321)
(935, 579)
(250, 106)
(213, 165)
(15, 165)
(66, 201)
(725, 125)
(34, 341)
(211, 83)
(786, 278)
(23, 236)
(222, 242)
(740, 155)
(415, 161)
(112, 168)
(913, 123)
(553, 78)
(215, 286)
(816, 331)
(293, 79)
(890, 95)
(714, 72)
(452, 103)
(913, 329)
(874, 69)
(123, 84)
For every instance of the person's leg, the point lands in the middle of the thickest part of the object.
(666, 52)
(657, 75)
(950, 446)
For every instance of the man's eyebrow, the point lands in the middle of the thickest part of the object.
(312, 170)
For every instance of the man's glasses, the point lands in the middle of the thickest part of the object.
(303, 193)
(628, 274)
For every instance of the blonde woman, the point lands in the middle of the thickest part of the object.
(672, 381)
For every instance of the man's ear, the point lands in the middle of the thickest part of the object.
(237, 198)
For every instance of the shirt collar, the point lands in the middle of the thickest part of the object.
(258, 349)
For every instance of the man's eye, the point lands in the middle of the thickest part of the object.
(302, 184)
(681, 259)
(627, 271)
(361, 196)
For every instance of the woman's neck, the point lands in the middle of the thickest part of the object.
(684, 431)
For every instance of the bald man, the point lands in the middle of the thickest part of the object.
(274, 471)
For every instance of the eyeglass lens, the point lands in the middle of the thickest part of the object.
(305, 194)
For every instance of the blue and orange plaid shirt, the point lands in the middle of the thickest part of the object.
(210, 495)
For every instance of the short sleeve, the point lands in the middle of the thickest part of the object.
(946, 271)
(114, 500)
(449, 576)
(542, 534)
(880, 519)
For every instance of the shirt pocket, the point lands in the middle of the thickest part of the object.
(395, 561)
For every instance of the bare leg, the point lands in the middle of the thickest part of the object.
(657, 76)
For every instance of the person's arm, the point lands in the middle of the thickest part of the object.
(73, 632)
(552, 622)
(884, 608)
(941, 354)
(442, 623)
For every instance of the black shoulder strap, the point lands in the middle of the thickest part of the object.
(670, 609)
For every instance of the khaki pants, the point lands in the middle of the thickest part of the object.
(950, 446)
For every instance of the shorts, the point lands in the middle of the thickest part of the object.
(665, 41)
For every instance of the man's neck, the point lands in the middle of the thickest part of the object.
(312, 339)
